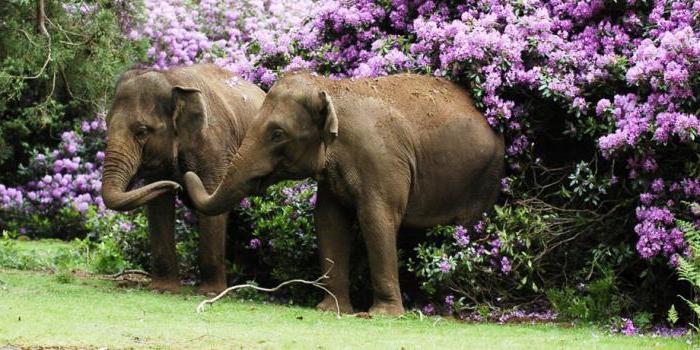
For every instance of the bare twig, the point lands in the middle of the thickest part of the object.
(53, 87)
(43, 68)
(129, 272)
(26, 35)
(316, 283)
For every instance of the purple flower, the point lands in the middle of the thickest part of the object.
(254, 243)
(505, 265)
(628, 327)
(126, 226)
(479, 227)
(445, 266)
(245, 203)
(460, 236)
(646, 198)
(312, 200)
(450, 301)
(602, 106)
(657, 185)
(428, 309)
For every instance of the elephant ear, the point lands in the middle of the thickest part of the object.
(329, 118)
(190, 109)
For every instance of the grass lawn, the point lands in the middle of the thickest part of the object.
(41, 309)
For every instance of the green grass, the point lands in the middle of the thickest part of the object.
(38, 309)
(44, 255)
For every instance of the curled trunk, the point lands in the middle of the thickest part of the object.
(121, 163)
(226, 195)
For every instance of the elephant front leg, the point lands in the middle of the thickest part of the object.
(212, 253)
(379, 225)
(334, 241)
(161, 227)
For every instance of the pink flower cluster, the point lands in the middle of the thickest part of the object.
(72, 175)
(233, 34)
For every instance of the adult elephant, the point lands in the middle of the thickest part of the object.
(400, 150)
(161, 124)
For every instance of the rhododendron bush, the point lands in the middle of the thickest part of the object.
(616, 82)
(597, 101)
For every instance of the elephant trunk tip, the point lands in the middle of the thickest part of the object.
(116, 199)
(214, 204)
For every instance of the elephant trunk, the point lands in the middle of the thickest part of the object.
(121, 164)
(228, 193)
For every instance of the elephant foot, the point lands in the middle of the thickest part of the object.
(169, 285)
(387, 308)
(211, 288)
(328, 304)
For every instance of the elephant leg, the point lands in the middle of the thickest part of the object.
(212, 253)
(161, 227)
(334, 241)
(379, 225)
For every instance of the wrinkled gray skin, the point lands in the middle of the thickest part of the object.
(404, 150)
(162, 124)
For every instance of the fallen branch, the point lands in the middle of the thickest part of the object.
(316, 283)
(129, 272)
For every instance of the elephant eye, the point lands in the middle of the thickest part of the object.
(142, 131)
(277, 135)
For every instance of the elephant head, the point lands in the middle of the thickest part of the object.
(288, 140)
(143, 138)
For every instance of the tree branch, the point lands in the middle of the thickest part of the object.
(41, 18)
(316, 283)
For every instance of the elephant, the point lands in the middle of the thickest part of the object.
(404, 150)
(160, 125)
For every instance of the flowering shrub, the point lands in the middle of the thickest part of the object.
(64, 183)
(282, 229)
(238, 35)
(597, 100)
(621, 74)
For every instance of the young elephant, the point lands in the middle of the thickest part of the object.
(161, 124)
(400, 150)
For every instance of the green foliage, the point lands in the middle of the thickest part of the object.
(48, 256)
(502, 262)
(49, 82)
(107, 257)
(121, 240)
(118, 238)
(689, 267)
(67, 223)
(599, 301)
(282, 234)
(672, 316)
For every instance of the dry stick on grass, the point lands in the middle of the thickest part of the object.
(316, 283)
(129, 272)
